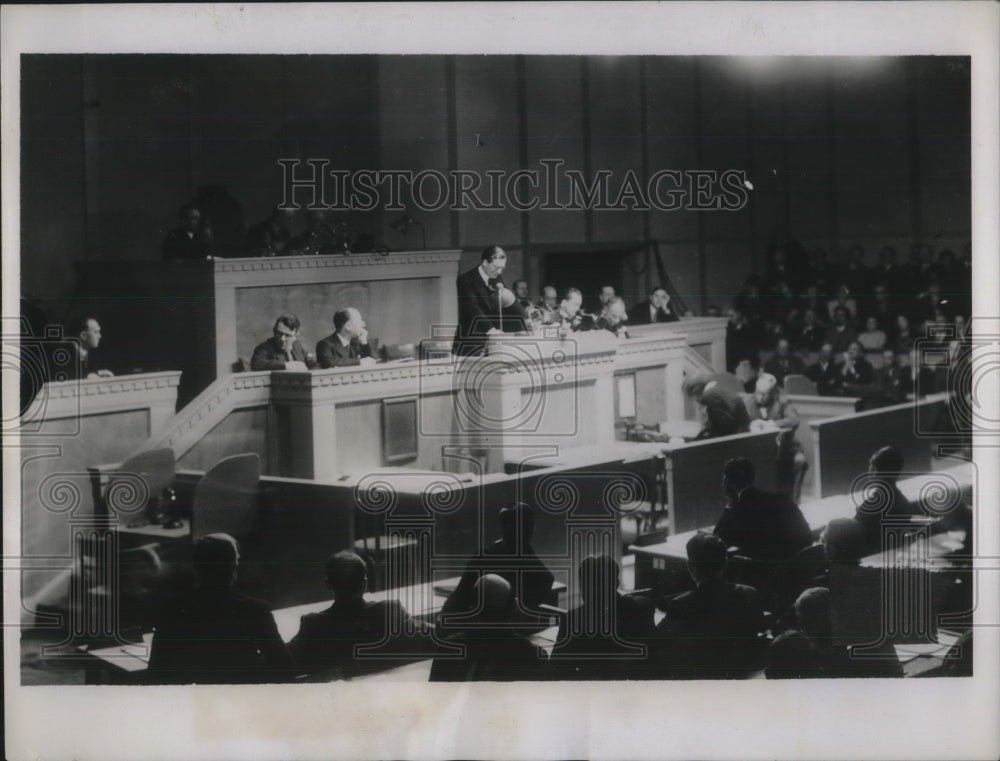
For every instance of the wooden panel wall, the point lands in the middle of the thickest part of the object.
(839, 151)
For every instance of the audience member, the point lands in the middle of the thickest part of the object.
(319, 237)
(282, 351)
(326, 642)
(872, 338)
(85, 338)
(522, 294)
(189, 240)
(493, 650)
(605, 295)
(841, 333)
(725, 413)
(856, 276)
(809, 337)
(216, 635)
(768, 409)
(614, 317)
(654, 309)
(712, 631)
(824, 372)
(809, 651)
(272, 236)
(783, 363)
(882, 498)
(741, 338)
(348, 345)
(762, 525)
(855, 373)
(549, 305)
(512, 558)
(604, 637)
(904, 339)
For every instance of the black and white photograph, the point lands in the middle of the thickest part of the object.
(542, 380)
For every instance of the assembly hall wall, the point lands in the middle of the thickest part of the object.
(838, 151)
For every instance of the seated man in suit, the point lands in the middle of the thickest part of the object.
(605, 636)
(348, 345)
(712, 631)
(282, 351)
(318, 238)
(763, 525)
(783, 363)
(327, 640)
(215, 635)
(549, 304)
(883, 499)
(824, 373)
(808, 651)
(769, 410)
(272, 236)
(654, 309)
(725, 413)
(614, 318)
(517, 563)
(190, 239)
(494, 651)
(85, 337)
(855, 372)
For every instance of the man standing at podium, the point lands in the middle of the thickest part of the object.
(485, 306)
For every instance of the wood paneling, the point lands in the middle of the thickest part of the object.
(55, 484)
(555, 131)
(242, 431)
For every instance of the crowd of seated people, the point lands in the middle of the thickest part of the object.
(837, 325)
(760, 602)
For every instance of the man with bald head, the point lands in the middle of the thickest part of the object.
(348, 345)
(493, 651)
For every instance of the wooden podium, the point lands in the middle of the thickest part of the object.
(201, 317)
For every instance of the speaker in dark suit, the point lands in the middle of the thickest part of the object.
(485, 307)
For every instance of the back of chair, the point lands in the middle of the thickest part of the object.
(226, 499)
(139, 482)
(392, 352)
(799, 384)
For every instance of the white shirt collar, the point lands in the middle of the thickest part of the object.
(483, 275)
(343, 341)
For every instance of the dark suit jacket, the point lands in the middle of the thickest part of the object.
(269, 356)
(641, 314)
(218, 638)
(326, 640)
(875, 508)
(496, 654)
(529, 577)
(765, 525)
(711, 632)
(601, 656)
(862, 374)
(265, 240)
(726, 414)
(177, 245)
(479, 312)
(827, 380)
(782, 367)
(330, 352)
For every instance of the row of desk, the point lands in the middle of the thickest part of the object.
(663, 559)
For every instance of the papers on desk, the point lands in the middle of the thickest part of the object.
(937, 649)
